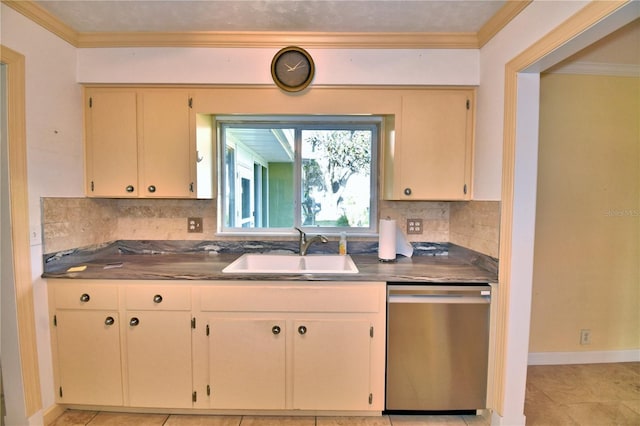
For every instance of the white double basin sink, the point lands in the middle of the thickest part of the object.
(258, 263)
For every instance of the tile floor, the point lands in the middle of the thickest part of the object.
(92, 418)
(587, 395)
(583, 394)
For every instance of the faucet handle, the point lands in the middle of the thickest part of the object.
(302, 234)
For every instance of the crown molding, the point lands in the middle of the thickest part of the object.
(239, 39)
(279, 39)
(510, 10)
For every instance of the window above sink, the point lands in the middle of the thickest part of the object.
(318, 173)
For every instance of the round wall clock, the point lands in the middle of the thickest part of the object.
(292, 69)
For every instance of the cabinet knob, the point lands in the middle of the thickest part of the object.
(109, 321)
(275, 329)
(407, 191)
(157, 298)
(152, 188)
(130, 188)
(85, 297)
(134, 322)
(302, 329)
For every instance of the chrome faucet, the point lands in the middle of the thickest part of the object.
(304, 243)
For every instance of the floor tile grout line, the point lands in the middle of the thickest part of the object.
(93, 417)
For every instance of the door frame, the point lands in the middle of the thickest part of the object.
(19, 210)
(517, 223)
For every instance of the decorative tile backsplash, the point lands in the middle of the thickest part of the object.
(475, 225)
(80, 222)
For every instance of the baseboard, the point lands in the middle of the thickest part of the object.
(513, 419)
(52, 413)
(591, 357)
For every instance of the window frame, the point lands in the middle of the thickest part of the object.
(375, 123)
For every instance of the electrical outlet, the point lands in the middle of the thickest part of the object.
(194, 224)
(414, 226)
(585, 337)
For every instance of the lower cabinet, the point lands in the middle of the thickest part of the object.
(159, 359)
(88, 357)
(247, 363)
(331, 364)
(158, 345)
(86, 334)
(304, 347)
(219, 346)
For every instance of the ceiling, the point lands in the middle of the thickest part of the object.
(339, 17)
(448, 16)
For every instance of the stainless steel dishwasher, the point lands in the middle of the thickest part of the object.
(437, 347)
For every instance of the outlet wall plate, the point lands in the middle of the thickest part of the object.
(414, 226)
(585, 336)
(194, 224)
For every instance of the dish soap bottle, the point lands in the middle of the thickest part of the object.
(342, 246)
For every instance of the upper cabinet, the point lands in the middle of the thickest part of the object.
(111, 143)
(430, 157)
(139, 143)
(161, 141)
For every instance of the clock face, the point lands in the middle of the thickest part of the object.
(292, 69)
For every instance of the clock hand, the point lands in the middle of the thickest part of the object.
(296, 66)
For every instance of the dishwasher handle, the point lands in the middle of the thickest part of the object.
(440, 298)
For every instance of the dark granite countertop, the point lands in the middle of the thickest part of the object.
(129, 260)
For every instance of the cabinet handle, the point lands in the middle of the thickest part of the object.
(152, 188)
(302, 329)
(275, 329)
(129, 188)
(109, 321)
(407, 191)
(157, 298)
(134, 322)
(85, 297)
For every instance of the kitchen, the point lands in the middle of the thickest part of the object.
(487, 181)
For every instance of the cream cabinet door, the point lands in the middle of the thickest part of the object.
(435, 147)
(159, 368)
(111, 143)
(88, 355)
(168, 161)
(331, 364)
(247, 363)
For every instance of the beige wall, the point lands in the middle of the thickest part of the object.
(586, 273)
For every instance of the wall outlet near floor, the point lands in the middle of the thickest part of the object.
(194, 224)
(585, 337)
(414, 226)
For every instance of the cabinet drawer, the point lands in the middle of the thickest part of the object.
(275, 298)
(85, 296)
(166, 298)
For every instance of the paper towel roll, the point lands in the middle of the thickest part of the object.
(403, 246)
(387, 239)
